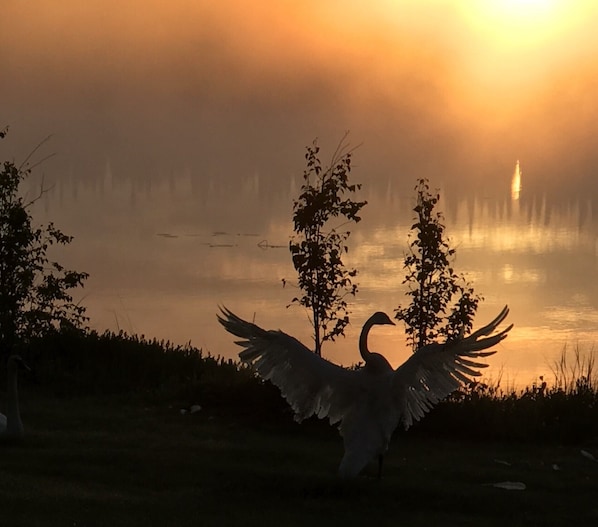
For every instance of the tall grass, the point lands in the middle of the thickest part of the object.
(575, 375)
(564, 411)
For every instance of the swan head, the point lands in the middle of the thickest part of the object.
(15, 362)
(380, 318)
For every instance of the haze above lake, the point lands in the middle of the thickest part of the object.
(179, 131)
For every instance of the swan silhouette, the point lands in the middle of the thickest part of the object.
(371, 402)
(11, 424)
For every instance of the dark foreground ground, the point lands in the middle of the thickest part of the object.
(90, 462)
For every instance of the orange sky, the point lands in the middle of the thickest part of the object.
(458, 88)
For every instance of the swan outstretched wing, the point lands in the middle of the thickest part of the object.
(309, 383)
(436, 370)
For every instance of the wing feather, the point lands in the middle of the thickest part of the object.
(436, 370)
(309, 383)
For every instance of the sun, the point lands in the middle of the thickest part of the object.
(530, 14)
(524, 8)
(511, 48)
(516, 23)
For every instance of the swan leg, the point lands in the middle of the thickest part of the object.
(353, 462)
(380, 462)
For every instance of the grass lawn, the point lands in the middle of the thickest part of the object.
(90, 462)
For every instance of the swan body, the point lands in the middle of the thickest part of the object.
(11, 424)
(368, 404)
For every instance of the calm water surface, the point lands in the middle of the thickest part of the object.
(163, 255)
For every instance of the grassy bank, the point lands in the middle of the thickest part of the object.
(73, 365)
(96, 462)
(107, 444)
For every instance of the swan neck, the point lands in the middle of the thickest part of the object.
(363, 341)
(14, 426)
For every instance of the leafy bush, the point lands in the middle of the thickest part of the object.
(35, 292)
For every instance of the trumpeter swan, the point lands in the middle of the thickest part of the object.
(11, 424)
(368, 403)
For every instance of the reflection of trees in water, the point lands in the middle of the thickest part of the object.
(254, 201)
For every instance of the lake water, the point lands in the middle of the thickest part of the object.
(163, 254)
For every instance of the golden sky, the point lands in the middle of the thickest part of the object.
(462, 88)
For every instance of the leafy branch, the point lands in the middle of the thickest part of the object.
(317, 249)
(443, 303)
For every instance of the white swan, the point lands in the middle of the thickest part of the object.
(11, 424)
(368, 403)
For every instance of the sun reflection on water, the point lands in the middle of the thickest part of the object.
(516, 183)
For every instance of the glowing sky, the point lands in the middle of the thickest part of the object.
(461, 89)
